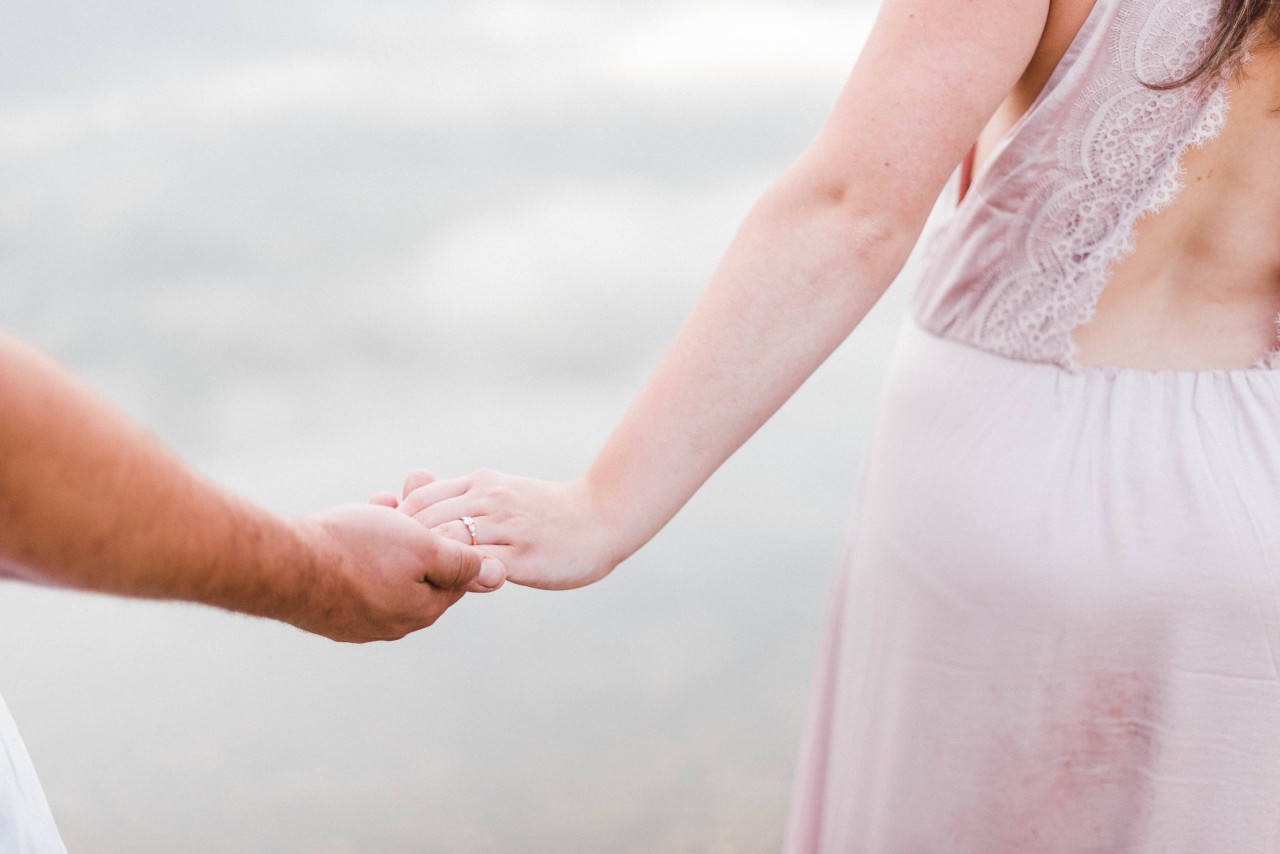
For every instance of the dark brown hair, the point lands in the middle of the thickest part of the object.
(1237, 22)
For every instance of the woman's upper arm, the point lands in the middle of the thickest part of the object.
(931, 75)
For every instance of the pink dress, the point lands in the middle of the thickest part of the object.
(1056, 628)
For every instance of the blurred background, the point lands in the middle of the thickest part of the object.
(313, 245)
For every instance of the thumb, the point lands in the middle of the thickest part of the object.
(453, 566)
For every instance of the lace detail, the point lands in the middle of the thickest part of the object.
(1096, 153)
(1118, 160)
(1270, 360)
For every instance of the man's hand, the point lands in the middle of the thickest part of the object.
(382, 576)
(154, 529)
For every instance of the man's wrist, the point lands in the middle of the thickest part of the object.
(302, 574)
(274, 567)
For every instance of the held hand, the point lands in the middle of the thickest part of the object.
(383, 577)
(549, 535)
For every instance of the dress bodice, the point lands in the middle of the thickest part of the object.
(1018, 262)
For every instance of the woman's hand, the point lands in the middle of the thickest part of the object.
(813, 255)
(551, 535)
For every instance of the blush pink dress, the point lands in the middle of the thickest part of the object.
(1057, 624)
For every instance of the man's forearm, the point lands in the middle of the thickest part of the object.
(88, 499)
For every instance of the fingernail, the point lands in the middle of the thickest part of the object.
(491, 573)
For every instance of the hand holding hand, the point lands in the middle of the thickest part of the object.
(382, 576)
(550, 535)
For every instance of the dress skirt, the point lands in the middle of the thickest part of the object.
(1057, 622)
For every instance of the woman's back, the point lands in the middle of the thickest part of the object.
(1202, 287)
(1158, 209)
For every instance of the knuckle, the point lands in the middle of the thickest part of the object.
(453, 574)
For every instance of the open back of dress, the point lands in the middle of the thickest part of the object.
(1018, 263)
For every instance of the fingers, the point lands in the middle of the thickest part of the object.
(432, 493)
(416, 480)
(455, 531)
(488, 531)
(452, 510)
(456, 566)
(479, 584)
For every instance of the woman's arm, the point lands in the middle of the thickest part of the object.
(811, 258)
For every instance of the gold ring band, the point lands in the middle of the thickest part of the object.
(471, 529)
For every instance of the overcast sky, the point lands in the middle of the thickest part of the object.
(313, 244)
(219, 162)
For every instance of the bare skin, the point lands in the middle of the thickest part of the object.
(1064, 20)
(813, 255)
(821, 245)
(89, 500)
(1202, 289)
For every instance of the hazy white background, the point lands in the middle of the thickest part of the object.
(316, 244)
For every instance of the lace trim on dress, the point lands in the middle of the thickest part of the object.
(1119, 158)
(1164, 192)
(1212, 121)
(1270, 360)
